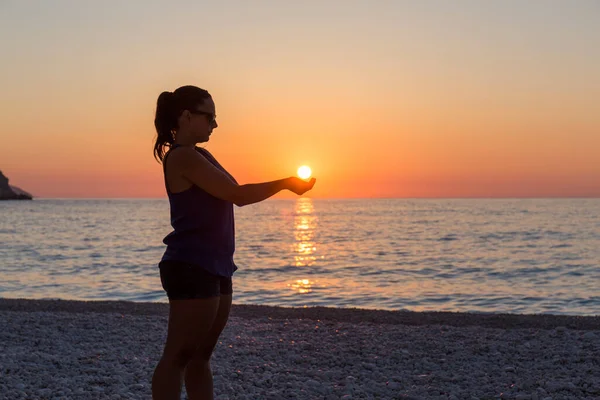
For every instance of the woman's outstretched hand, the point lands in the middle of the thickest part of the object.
(300, 186)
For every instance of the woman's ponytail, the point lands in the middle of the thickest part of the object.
(165, 123)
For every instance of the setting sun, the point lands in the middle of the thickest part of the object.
(304, 172)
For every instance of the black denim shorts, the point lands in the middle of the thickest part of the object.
(184, 281)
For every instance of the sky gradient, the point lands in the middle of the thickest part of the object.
(380, 98)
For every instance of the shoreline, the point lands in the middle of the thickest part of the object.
(330, 314)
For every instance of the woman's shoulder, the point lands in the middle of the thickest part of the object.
(202, 150)
(205, 153)
(180, 155)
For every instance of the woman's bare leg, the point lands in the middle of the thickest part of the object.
(198, 375)
(190, 322)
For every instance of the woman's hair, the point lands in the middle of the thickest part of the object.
(169, 107)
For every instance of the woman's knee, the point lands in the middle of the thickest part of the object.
(198, 363)
(203, 354)
(179, 357)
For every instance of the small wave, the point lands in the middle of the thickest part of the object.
(561, 246)
(267, 270)
(376, 272)
(471, 270)
(147, 248)
(56, 257)
(498, 236)
(446, 238)
(445, 275)
(574, 273)
(439, 299)
(589, 301)
(530, 270)
(423, 271)
(81, 248)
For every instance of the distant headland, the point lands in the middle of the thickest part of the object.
(8, 192)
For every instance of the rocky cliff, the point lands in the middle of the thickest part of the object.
(8, 192)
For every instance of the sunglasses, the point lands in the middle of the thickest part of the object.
(211, 117)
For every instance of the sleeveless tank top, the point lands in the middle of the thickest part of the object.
(203, 226)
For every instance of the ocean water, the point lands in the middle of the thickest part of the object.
(477, 255)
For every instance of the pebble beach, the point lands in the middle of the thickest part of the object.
(56, 349)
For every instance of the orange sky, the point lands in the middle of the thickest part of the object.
(386, 100)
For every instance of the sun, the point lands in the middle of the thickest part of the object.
(304, 172)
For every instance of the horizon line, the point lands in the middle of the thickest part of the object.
(352, 198)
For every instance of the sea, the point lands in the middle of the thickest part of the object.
(518, 256)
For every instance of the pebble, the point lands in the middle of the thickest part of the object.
(589, 336)
(96, 355)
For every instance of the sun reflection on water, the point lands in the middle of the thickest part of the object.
(302, 286)
(304, 247)
(305, 224)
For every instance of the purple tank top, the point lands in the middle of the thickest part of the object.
(203, 227)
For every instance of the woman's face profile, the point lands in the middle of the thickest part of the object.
(202, 120)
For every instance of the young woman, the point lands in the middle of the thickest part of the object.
(197, 265)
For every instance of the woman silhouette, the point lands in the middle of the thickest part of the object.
(197, 265)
